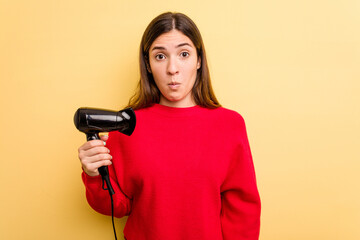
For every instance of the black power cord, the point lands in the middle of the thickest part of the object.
(112, 202)
(112, 215)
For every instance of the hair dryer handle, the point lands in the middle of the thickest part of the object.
(103, 170)
(92, 136)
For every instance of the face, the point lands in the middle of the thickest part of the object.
(174, 63)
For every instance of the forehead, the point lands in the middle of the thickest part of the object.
(171, 39)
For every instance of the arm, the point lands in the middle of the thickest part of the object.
(240, 201)
(92, 155)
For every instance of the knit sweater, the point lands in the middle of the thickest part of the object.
(185, 173)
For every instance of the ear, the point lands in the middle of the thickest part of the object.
(198, 63)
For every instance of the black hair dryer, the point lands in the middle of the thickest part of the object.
(92, 121)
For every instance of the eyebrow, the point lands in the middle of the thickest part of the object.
(180, 45)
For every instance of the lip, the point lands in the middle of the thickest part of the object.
(174, 85)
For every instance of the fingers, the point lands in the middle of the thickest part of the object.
(93, 151)
(91, 165)
(93, 154)
(94, 143)
(91, 144)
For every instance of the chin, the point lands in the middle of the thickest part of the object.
(173, 98)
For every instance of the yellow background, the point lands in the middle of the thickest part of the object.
(291, 68)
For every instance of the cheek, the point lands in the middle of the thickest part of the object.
(157, 73)
(191, 72)
(159, 79)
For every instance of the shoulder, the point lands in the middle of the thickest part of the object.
(228, 114)
(231, 121)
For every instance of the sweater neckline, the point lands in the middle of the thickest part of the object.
(176, 112)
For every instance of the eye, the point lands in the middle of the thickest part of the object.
(184, 54)
(160, 56)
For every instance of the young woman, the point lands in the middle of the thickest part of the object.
(186, 172)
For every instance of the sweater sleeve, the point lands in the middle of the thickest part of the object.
(240, 201)
(99, 199)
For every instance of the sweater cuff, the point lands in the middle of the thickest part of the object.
(89, 180)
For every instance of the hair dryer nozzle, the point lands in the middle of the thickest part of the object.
(94, 120)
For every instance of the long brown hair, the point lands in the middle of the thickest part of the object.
(147, 92)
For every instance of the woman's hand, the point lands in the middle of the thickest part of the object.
(93, 154)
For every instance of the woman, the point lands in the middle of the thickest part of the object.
(187, 171)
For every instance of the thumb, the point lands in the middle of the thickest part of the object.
(104, 137)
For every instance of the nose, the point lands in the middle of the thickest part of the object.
(172, 67)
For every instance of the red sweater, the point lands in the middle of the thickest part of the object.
(185, 173)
